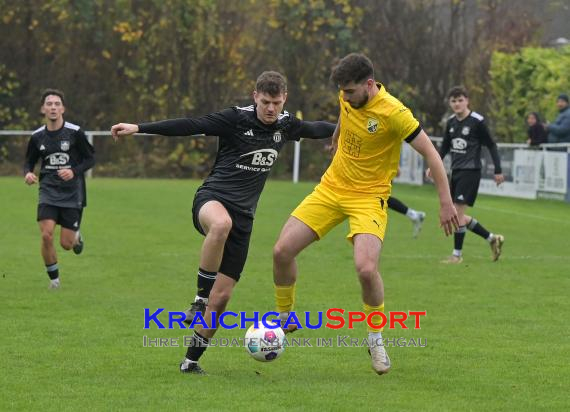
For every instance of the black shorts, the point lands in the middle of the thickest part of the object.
(465, 186)
(67, 217)
(237, 243)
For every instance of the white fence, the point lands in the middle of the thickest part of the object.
(529, 173)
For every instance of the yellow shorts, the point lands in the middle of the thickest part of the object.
(324, 209)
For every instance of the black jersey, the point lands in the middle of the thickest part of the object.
(247, 149)
(464, 138)
(66, 148)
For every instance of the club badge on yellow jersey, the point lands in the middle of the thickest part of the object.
(372, 125)
(369, 145)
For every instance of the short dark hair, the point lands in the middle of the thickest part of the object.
(354, 67)
(54, 92)
(271, 82)
(457, 91)
(563, 96)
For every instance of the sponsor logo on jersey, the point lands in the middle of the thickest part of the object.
(351, 143)
(451, 130)
(249, 133)
(465, 131)
(57, 159)
(372, 125)
(42, 147)
(262, 157)
(277, 137)
(64, 144)
(459, 143)
(261, 160)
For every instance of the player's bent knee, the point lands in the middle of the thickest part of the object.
(367, 273)
(47, 237)
(282, 252)
(221, 228)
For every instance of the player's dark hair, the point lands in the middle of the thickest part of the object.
(354, 67)
(457, 91)
(271, 83)
(52, 92)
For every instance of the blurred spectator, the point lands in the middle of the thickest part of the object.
(536, 131)
(559, 130)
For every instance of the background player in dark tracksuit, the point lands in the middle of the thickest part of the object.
(465, 133)
(224, 206)
(65, 155)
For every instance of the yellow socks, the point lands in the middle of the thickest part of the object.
(284, 298)
(376, 319)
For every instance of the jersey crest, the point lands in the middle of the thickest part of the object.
(372, 125)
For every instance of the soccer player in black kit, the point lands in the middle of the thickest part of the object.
(465, 133)
(224, 206)
(65, 155)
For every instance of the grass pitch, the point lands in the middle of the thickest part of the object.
(496, 333)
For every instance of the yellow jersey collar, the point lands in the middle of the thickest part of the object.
(379, 96)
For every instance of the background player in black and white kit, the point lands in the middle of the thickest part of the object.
(465, 133)
(224, 206)
(65, 155)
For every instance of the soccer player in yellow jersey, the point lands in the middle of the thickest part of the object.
(371, 128)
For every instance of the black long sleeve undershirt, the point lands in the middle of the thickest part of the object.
(212, 125)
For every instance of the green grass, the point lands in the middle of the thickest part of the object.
(496, 333)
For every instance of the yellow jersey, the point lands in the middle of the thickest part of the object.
(369, 145)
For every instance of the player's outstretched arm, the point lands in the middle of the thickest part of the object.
(123, 129)
(447, 214)
(214, 124)
(316, 130)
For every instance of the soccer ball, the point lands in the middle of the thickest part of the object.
(264, 344)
